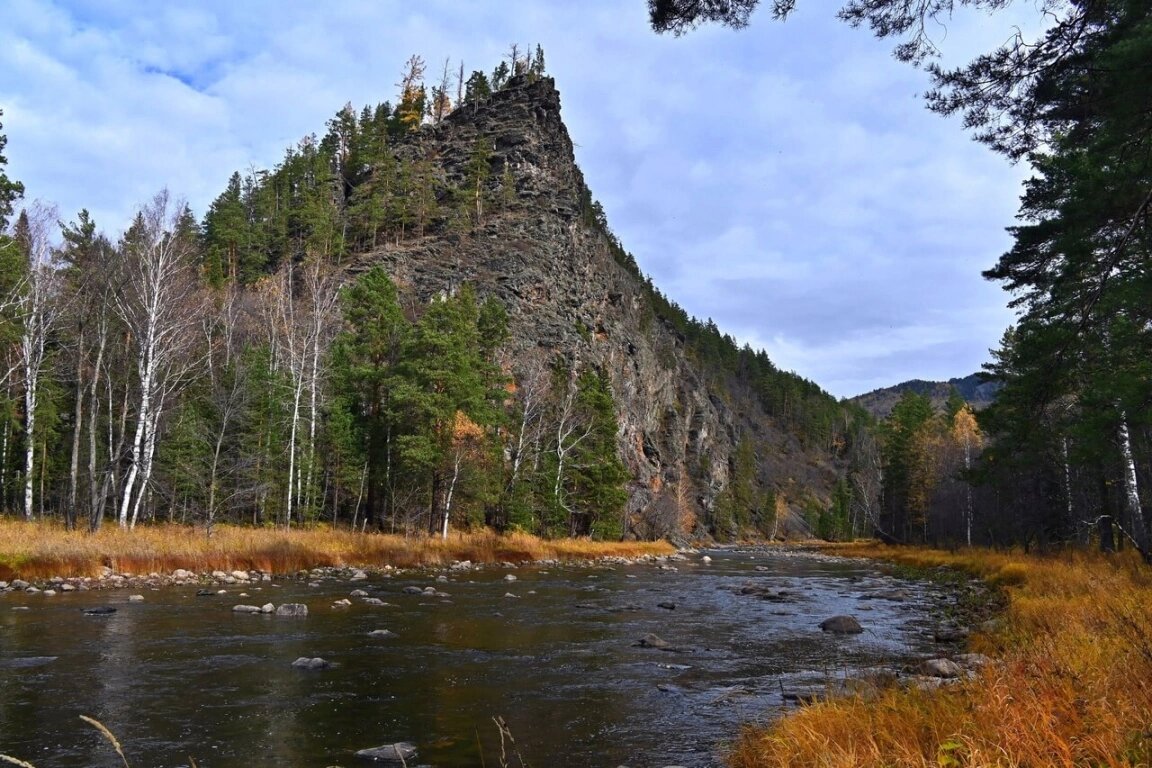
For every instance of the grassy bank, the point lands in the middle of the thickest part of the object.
(1072, 685)
(42, 550)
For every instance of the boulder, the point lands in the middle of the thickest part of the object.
(412, 590)
(100, 610)
(20, 584)
(342, 603)
(666, 606)
(375, 601)
(180, 573)
(136, 598)
(67, 587)
(510, 577)
(245, 609)
(267, 608)
(357, 593)
(841, 625)
(314, 663)
(944, 668)
(382, 633)
(358, 575)
(400, 752)
(652, 641)
(950, 635)
(292, 609)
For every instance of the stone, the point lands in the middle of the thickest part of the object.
(180, 573)
(205, 593)
(972, 660)
(509, 594)
(267, 608)
(943, 668)
(359, 575)
(219, 575)
(358, 593)
(66, 587)
(292, 609)
(136, 598)
(246, 609)
(382, 633)
(32, 590)
(100, 610)
(49, 592)
(311, 663)
(400, 752)
(652, 641)
(510, 577)
(413, 590)
(841, 625)
(375, 601)
(950, 635)
(705, 559)
(240, 575)
(20, 584)
(666, 606)
(342, 603)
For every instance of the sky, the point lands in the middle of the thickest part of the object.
(784, 180)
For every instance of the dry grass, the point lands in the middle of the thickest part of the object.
(42, 550)
(1072, 686)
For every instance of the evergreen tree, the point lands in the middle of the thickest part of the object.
(10, 191)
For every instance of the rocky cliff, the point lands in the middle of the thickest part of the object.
(569, 294)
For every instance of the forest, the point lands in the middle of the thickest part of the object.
(230, 368)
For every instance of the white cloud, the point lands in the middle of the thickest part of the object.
(785, 180)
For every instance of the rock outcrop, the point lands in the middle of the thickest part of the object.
(569, 293)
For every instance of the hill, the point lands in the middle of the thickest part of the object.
(973, 388)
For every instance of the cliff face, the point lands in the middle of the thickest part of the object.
(540, 254)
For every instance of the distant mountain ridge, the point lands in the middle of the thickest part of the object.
(973, 388)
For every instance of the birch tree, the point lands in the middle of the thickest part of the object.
(36, 307)
(156, 301)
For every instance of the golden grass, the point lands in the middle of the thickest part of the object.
(42, 550)
(1072, 686)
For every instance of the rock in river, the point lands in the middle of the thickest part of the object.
(945, 668)
(314, 663)
(382, 633)
(400, 752)
(842, 625)
(100, 610)
(652, 641)
(292, 609)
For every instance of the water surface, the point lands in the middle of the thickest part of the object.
(554, 653)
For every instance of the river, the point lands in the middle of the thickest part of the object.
(554, 652)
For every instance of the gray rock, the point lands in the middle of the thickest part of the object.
(342, 603)
(314, 663)
(292, 609)
(950, 635)
(180, 573)
(358, 575)
(267, 608)
(400, 752)
(32, 590)
(944, 668)
(246, 609)
(382, 633)
(375, 601)
(240, 575)
(20, 584)
(136, 598)
(510, 577)
(100, 610)
(413, 590)
(652, 641)
(66, 587)
(666, 606)
(842, 625)
(972, 660)
(357, 593)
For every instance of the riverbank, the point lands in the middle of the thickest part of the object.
(39, 551)
(1071, 684)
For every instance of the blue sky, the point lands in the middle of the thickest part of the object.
(784, 180)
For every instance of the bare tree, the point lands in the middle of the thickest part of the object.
(36, 307)
(156, 300)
